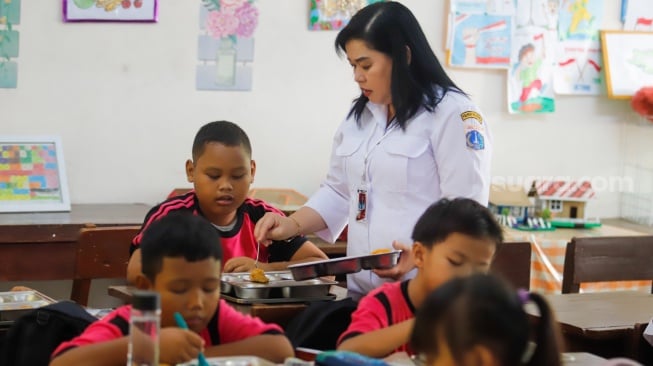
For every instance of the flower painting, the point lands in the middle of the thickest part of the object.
(226, 44)
(334, 14)
(110, 10)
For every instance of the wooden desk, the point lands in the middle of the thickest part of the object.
(600, 322)
(41, 246)
(335, 250)
(270, 313)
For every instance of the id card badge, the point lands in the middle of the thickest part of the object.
(362, 204)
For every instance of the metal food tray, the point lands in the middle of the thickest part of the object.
(13, 304)
(282, 287)
(232, 361)
(344, 265)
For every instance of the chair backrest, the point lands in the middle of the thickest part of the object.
(102, 252)
(607, 258)
(513, 262)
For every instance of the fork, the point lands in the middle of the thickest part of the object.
(258, 250)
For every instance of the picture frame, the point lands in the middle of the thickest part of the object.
(110, 10)
(33, 174)
(625, 61)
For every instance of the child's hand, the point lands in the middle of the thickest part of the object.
(405, 265)
(179, 345)
(240, 264)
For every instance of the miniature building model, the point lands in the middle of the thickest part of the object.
(509, 200)
(565, 199)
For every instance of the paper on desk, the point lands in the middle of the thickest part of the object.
(648, 333)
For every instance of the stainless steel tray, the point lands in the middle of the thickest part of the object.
(344, 265)
(13, 304)
(281, 286)
(232, 361)
(277, 300)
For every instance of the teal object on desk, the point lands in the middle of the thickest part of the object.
(345, 358)
(201, 360)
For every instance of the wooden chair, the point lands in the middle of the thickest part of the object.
(607, 258)
(513, 262)
(102, 252)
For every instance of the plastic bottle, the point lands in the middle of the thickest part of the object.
(144, 328)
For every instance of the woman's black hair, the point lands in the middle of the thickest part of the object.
(391, 28)
(484, 310)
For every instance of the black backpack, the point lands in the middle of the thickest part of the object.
(34, 336)
(320, 324)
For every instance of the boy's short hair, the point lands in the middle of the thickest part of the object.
(529, 47)
(224, 132)
(460, 215)
(179, 234)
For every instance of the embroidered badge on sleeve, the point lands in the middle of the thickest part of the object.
(473, 130)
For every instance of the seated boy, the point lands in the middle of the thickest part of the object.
(221, 172)
(180, 261)
(452, 238)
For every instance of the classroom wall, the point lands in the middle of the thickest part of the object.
(123, 99)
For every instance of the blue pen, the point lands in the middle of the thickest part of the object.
(201, 360)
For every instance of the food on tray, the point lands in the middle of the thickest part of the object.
(258, 275)
(381, 251)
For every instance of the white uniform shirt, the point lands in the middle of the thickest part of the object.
(441, 154)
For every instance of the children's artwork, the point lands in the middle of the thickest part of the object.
(638, 15)
(334, 14)
(578, 68)
(492, 7)
(32, 175)
(9, 40)
(580, 19)
(110, 10)
(628, 59)
(481, 40)
(226, 45)
(541, 13)
(530, 76)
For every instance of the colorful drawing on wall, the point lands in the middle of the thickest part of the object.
(481, 40)
(226, 45)
(32, 175)
(628, 59)
(580, 20)
(492, 7)
(530, 76)
(9, 41)
(578, 68)
(541, 13)
(638, 15)
(110, 10)
(334, 14)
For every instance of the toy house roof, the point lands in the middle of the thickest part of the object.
(564, 190)
(508, 195)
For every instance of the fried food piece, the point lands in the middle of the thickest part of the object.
(381, 251)
(258, 275)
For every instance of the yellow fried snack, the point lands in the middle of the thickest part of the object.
(258, 275)
(381, 251)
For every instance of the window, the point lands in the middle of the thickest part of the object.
(555, 206)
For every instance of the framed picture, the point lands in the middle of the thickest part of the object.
(627, 60)
(32, 174)
(110, 10)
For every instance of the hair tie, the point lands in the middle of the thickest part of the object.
(523, 295)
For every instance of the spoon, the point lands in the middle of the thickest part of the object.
(258, 250)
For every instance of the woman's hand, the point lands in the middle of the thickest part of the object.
(179, 345)
(405, 265)
(273, 226)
